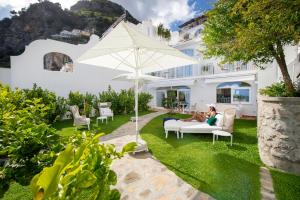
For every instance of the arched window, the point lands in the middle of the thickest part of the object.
(55, 61)
(197, 33)
(234, 92)
(186, 36)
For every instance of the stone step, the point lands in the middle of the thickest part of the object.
(266, 190)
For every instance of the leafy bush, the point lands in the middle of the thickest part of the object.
(62, 106)
(277, 90)
(48, 98)
(86, 102)
(123, 102)
(75, 98)
(77, 169)
(27, 142)
(126, 101)
(113, 97)
(144, 99)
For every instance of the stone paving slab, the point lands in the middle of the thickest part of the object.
(140, 176)
(267, 190)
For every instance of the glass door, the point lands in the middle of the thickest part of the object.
(160, 95)
(184, 97)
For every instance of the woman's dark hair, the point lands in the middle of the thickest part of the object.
(213, 109)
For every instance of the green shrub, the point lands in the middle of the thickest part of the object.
(144, 100)
(123, 102)
(62, 106)
(113, 97)
(78, 169)
(48, 98)
(75, 98)
(27, 142)
(126, 101)
(277, 90)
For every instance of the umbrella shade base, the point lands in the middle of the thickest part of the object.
(141, 146)
(133, 119)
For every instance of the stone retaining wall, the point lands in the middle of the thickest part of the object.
(279, 132)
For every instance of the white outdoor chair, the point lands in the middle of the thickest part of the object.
(105, 111)
(227, 127)
(78, 119)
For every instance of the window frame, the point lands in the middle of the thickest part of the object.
(225, 89)
(241, 88)
(232, 92)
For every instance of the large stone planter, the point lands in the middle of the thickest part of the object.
(279, 132)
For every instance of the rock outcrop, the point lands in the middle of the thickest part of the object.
(44, 19)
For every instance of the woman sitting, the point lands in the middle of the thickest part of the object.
(202, 116)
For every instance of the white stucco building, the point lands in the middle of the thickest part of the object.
(230, 85)
(208, 82)
(51, 65)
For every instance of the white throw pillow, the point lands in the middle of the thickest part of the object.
(105, 111)
(220, 120)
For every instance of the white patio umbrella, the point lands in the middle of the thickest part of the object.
(125, 48)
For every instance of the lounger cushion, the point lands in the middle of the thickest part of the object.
(173, 125)
(198, 128)
(220, 118)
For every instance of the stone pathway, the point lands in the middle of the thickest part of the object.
(141, 176)
(266, 189)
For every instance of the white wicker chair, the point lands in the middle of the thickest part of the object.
(78, 119)
(105, 111)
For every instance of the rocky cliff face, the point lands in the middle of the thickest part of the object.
(41, 20)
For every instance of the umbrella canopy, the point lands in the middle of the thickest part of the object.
(125, 48)
(132, 77)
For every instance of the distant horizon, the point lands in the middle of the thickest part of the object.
(171, 13)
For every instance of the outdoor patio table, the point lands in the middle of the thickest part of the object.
(102, 118)
(217, 133)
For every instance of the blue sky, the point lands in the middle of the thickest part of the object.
(169, 12)
(199, 6)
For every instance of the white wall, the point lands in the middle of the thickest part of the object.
(206, 93)
(272, 73)
(28, 68)
(5, 74)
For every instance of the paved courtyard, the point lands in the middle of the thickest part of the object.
(141, 176)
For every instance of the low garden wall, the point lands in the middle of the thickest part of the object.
(279, 132)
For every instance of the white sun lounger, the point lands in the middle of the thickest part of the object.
(182, 127)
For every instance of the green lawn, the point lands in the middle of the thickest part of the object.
(66, 129)
(220, 170)
(286, 186)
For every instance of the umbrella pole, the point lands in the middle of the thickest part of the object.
(136, 107)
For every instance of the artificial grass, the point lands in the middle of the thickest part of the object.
(66, 129)
(220, 170)
(286, 186)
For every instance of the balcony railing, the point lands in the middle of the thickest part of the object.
(202, 70)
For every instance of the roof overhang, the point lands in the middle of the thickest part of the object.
(230, 79)
(171, 83)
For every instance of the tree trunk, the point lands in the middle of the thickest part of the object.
(280, 58)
